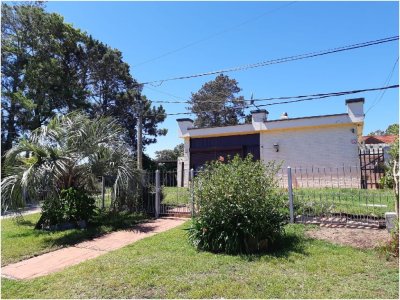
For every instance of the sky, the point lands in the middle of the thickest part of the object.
(216, 35)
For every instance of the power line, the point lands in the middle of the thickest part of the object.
(279, 60)
(387, 81)
(211, 35)
(163, 92)
(322, 96)
(317, 96)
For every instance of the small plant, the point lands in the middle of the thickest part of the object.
(391, 248)
(240, 209)
(78, 205)
(72, 206)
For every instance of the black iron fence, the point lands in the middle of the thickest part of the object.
(333, 195)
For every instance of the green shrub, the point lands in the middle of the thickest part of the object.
(240, 209)
(52, 213)
(78, 205)
(71, 206)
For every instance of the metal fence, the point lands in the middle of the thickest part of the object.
(334, 195)
(157, 194)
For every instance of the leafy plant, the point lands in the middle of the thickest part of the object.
(391, 248)
(71, 207)
(72, 151)
(240, 209)
(79, 206)
(388, 181)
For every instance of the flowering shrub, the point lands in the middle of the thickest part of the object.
(240, 209)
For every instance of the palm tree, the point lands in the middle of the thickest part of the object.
(71, 151)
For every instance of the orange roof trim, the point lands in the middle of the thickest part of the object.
(379, 139)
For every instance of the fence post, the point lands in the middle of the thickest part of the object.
(158, 190)
(192, 192)
(103, 192)
(290, 190)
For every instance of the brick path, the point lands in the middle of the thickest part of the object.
(57, 260)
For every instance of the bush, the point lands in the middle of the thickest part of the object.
(78, 205)
(72, 206)
(240, 209)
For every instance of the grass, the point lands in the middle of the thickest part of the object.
(107, 198)
(351, 201)
(21, 241)
(166, 266)
(175, 195)
(317, 201)
(171, 196)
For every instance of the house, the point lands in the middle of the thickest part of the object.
(374, 155)
(318, 141)
(378, 141)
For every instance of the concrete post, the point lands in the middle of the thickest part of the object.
(290, 190)
(158, 191)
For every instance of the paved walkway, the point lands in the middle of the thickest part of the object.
(57, 260)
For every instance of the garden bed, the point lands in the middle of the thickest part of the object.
(354, 237)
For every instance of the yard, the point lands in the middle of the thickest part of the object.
(317, 201)
(175, 195)
(373, 203)
(20, 240)
(166, 266)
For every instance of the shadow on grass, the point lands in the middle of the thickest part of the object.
(292, 241)
(21, 221)
(102, 223)
(284, 247)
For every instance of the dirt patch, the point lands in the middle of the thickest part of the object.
(355, 237)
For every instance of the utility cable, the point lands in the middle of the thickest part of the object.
(211, 36)
(285, 102)
(278, 61)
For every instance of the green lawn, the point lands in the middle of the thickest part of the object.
(166, 266)
(19, 239)
(317, 201)
(175, 195)
(107, 198)
(350, 201)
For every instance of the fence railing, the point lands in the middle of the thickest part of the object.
(322, 177)
(334, 195)
(314, 195)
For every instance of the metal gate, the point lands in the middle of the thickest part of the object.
(171, 199)
(371, 167)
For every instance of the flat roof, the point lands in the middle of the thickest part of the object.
(277, 120)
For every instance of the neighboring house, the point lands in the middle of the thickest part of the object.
(318, 141)
(378, 141)
(374, 154)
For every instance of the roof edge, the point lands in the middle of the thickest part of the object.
(184, 119)
(355, 100)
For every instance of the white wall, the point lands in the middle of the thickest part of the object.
(319, 157)
(186, 160)
(320, 147)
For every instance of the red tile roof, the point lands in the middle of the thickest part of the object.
(379, 139)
